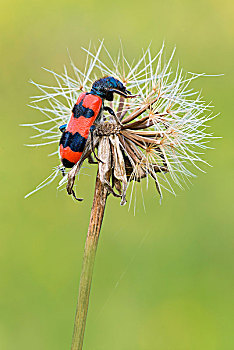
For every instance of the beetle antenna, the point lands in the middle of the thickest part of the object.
(122, 93)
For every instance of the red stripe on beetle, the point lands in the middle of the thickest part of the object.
(73, 125)
(80, 125)
(84, 125)
(93, 102)
(68, 154)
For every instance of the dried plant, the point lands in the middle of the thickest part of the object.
(155, 135)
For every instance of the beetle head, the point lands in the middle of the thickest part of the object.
(106, 87)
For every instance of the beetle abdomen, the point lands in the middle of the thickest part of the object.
(74, 138)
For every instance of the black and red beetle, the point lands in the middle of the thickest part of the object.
(87, 110)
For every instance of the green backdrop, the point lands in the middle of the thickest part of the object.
(163, 279)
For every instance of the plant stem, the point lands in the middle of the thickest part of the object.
(96, 217)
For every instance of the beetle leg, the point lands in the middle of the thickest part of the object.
(92, 146)
(110, 110)
(74, 196)
(62, 169)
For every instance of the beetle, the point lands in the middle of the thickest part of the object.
(87, 110)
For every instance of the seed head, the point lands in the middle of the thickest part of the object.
(154, 135)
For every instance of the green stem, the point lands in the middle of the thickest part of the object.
(96, 217)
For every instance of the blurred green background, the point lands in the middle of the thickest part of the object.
(163, 279)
